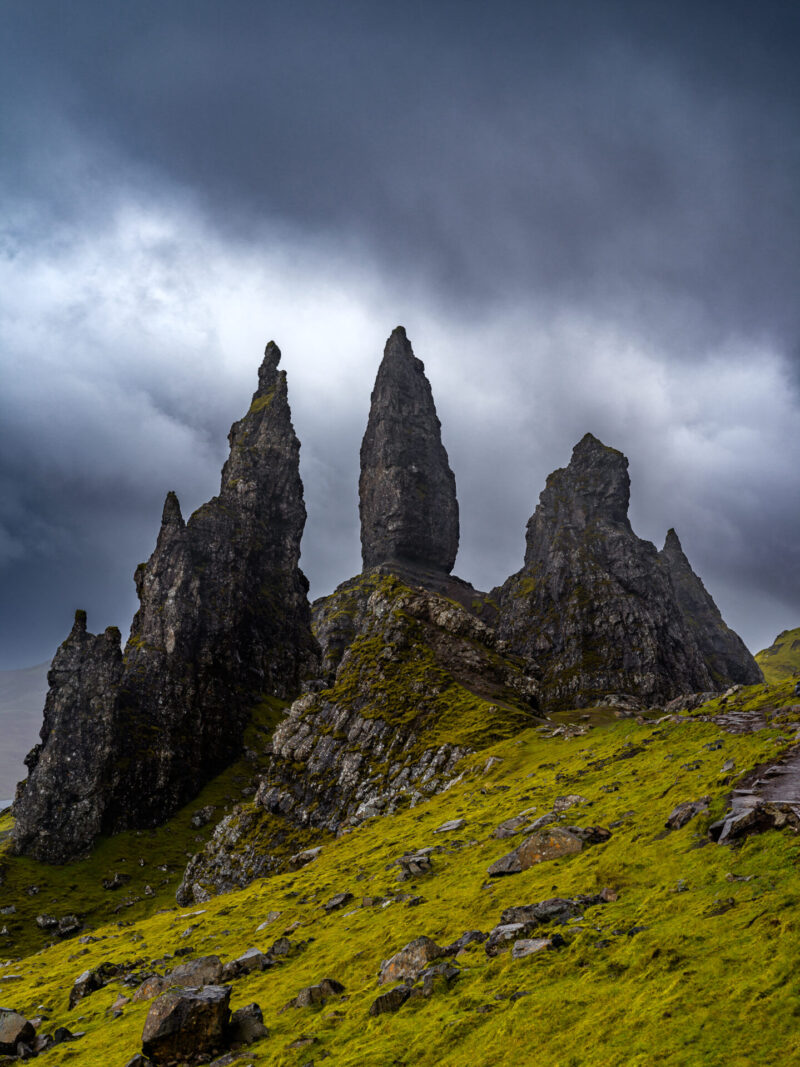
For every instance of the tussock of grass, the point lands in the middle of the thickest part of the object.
(690, 987)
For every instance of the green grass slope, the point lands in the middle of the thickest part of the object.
(782, 659)
(694, 963)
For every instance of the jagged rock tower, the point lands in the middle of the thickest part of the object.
(407, 491)
(597, 608)
(223, 620)
(726, 656)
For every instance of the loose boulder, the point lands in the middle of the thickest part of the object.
(391, 1001)
(187, 1025)
(685, 812)
(247, 1026)
(548, 844)
(410, 961)
(14, 1028)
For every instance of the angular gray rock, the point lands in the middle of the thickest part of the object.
(223, 620)
(407, 491)
(726, 656)
(594, 605)
(187, 1025)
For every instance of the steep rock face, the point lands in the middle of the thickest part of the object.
(407, 490)
(77, 740)
(593, 605)
(726, 656)
(223, 620)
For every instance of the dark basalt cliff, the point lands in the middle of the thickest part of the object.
(594, 605)
(725, 654)
(407, 491)
(223, 620)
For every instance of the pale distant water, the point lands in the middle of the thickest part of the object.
(4, 804)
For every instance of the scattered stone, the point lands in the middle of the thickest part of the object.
(151, 987)
(207, 970)
(529, 947)
(414, 865)
(469, 937)
(247, 1025)
(391, 1001)
(187, 1024)
(85, 984)
(271, 918)
(139, 1061)
(563, 803)
(318, 994)
(46, 922)
(62, 1034)
(540, 847)
(300, 859)
(685, 812)
(281, 947)
(547, 819)
(117, 881)
(451, 826)
(504, 935)
(251, 960)
(410, 961)
(339, 900)
(14, 1028)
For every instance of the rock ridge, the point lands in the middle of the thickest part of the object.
(223, 620)
(598, 609)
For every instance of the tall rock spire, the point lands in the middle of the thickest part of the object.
(223, 620)
(593, 606)
(407, 491)
(725, 654)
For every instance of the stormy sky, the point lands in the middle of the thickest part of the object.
(585, 214)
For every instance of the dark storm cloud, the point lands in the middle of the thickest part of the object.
(536, 190)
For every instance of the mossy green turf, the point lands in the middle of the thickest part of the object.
(782, 659)
(690, 987)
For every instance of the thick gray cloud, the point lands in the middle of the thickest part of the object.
(585, 214)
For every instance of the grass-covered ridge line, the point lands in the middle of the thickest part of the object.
(695, 963)
(782, 659)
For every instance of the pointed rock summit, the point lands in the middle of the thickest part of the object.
(223, 621)
(407, 491)
(726, 655)
(596, 607)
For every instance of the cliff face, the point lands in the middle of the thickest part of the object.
(725, 654)
(594, 605)
(407, 491)
(64, 798)
(223, 620)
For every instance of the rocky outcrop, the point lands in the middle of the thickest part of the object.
(414, 683)
(594, 605)
(725, 654)
(223, 620)
(407, 491)
(420, 684)
(64, 799)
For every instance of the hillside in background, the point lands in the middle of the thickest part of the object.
(782, 658)
(22, 696)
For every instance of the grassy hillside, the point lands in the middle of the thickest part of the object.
(695, 959)
(782, 659)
